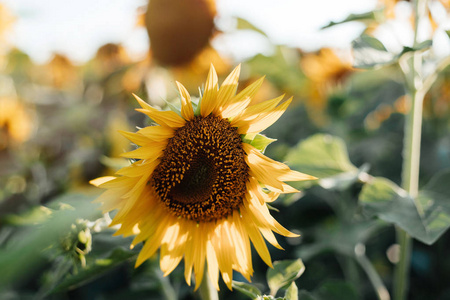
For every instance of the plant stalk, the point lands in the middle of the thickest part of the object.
(411, 152)
(206, 289)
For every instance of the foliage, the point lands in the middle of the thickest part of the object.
(345, 126)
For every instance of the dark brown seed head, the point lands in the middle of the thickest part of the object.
(202, 174)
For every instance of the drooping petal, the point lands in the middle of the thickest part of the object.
(272, 173)
(209, 99)
(187, 112)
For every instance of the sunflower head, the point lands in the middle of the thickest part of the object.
(200, 186)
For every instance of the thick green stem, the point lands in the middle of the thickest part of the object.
(411, 152)
(207, 290)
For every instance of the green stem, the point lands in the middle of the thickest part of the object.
(207, 290)
(372, 274)
(411, 152)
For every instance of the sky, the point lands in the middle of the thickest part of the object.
(78, 28)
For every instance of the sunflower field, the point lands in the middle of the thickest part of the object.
(200, 169)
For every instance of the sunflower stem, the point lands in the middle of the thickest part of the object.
(411, 67)
(206, 289)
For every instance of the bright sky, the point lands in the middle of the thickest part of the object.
(79, 28)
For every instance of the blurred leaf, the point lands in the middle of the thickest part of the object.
(283, 273)
(321, 156)
(336, 290)
(24, 254)
(421, 46)
(247, 289)
(390, 203)
(261, 142)
(448, 33)
(367, 16)
(244, 24)
(305, 295)
(344, 180)
(369, 52)
(35, 215)
(93, 271)
(339, 237)
(291, 292)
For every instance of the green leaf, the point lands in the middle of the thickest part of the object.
(426, 222)
(291, 292)
(35, 215)
(369, 52)
(340, 237)
(364, 17)
(448, 33)
(261, 142)
(283, 273)
(95, 270)
(247, 289)
(24, 254)
(305, 295)
(244, 24)
(321, 155)
(336, 290)
(434, 206)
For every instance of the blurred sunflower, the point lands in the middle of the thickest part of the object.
(326, 71)
(200, 184)
(15, 122)
(179, 29)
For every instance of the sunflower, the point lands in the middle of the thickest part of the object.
(200, 184)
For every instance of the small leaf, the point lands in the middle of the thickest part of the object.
(261, 142)
(321, 156)
(283, 273)
(244, 24)
(448, 33)
(247, 289)
(369, 52)
(367, 16)
(291, 292)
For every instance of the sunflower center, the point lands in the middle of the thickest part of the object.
(202, 174)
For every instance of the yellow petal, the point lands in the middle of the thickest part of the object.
(172, 248)
(187, 112)
(209, 98)
(213, 265)
(157, 133)
(99, 181)
(146, 152)
(256, 238)
(228, 89)
(164, 118)
(153, 243)
(264, 120)
(240, 102)
(199, 255)
(136, 138)
(254, 111)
